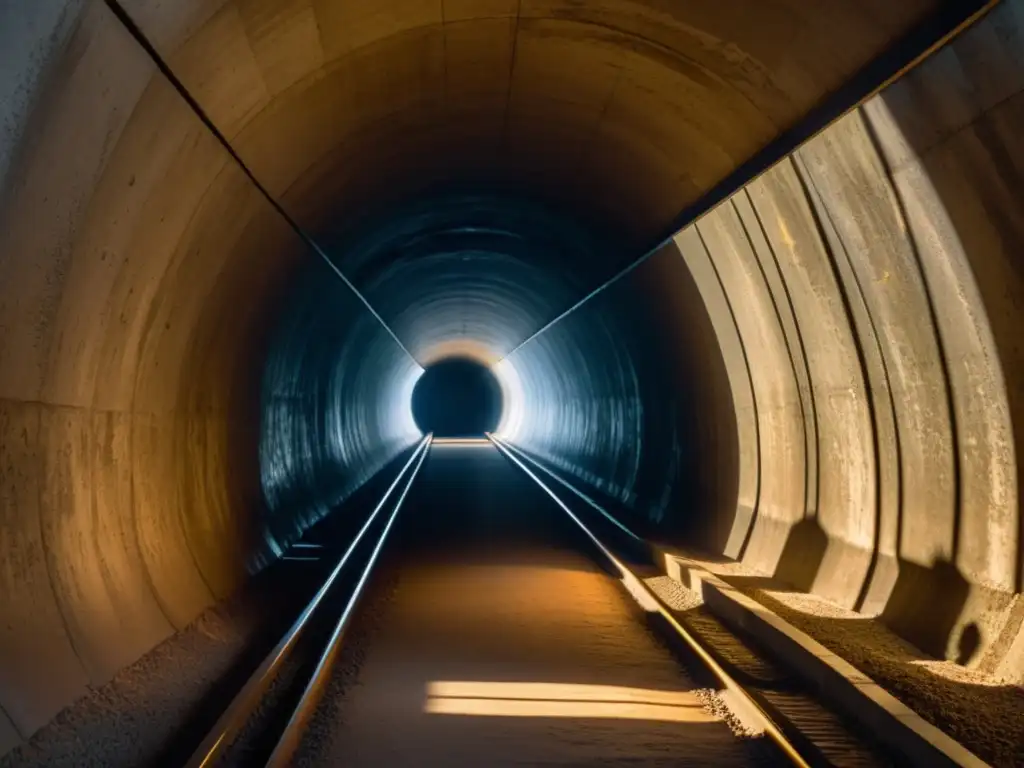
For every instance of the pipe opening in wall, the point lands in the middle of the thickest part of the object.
(457, 397)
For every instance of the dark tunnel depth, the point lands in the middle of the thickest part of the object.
(457, 397)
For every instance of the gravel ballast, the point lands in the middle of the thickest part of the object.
(983, 713)
(152, 711)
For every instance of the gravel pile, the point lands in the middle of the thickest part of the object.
(983, 713)
(673, 594)
(180, 686)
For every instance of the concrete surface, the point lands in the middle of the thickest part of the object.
(646, 100)
(897, 265)
(132, 317)
(848, 350)
(840, 683)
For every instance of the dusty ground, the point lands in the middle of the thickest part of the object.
(498, 643)
(982, 713)
(138, 717)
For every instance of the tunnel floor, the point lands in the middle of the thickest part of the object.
(500, 643)
(489, 636)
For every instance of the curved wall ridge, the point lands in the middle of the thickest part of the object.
(890, 237)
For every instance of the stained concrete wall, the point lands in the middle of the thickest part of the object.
(137, 263)
(337, 405)
(651, 101)
(874, 283)
(863, 298)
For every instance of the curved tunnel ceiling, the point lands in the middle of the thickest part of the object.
(469, 275)
(645, 104)
(820, 377)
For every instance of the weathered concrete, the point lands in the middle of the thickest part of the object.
(650, 101)
(132, 315)
(879, 262)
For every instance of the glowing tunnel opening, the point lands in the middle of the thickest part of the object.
(457, 397)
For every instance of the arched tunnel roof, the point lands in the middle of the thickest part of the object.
(646, 101)
(819, 377)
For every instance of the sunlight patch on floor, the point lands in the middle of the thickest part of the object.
(505, 699)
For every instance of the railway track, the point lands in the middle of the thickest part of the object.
(766, 696)
(221, 745)
(266, 721)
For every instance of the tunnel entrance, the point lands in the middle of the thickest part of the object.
(457, 397)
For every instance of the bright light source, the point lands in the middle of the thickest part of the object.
(513, 412)
(502, 699)
(402, 420)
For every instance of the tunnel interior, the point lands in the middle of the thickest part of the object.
(279, 224)
(457, 397)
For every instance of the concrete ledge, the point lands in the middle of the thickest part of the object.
(853, 692)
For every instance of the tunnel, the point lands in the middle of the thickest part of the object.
(749, 271)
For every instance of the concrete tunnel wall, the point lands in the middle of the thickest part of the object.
(840, 338)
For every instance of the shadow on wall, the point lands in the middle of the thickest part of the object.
(866, 295)
(802, 555)
(931, 626)
(959, 165)
(954, 159)
(611, 404)
(688, 373)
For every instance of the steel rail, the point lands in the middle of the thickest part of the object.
(237, 713)
(587, 499)
(651, 603)
(291, 737)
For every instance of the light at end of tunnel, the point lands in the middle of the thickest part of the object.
(561, 700)
(404, 421)
(513, 413)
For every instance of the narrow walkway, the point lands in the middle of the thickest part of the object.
(503, 644)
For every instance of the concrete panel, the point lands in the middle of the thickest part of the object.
(179, 586)
(109, 612)
(25, 60)
(781, 501)
(807, 537)
(221, 69)
(691, 90)
(118, 261)
(883, 570)
(853, 182)
(732, 536)
(129, 363)
(988, 490)
(846, 170)
(846, 486)
(53, 174)
(40, 671)
(285, 39)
